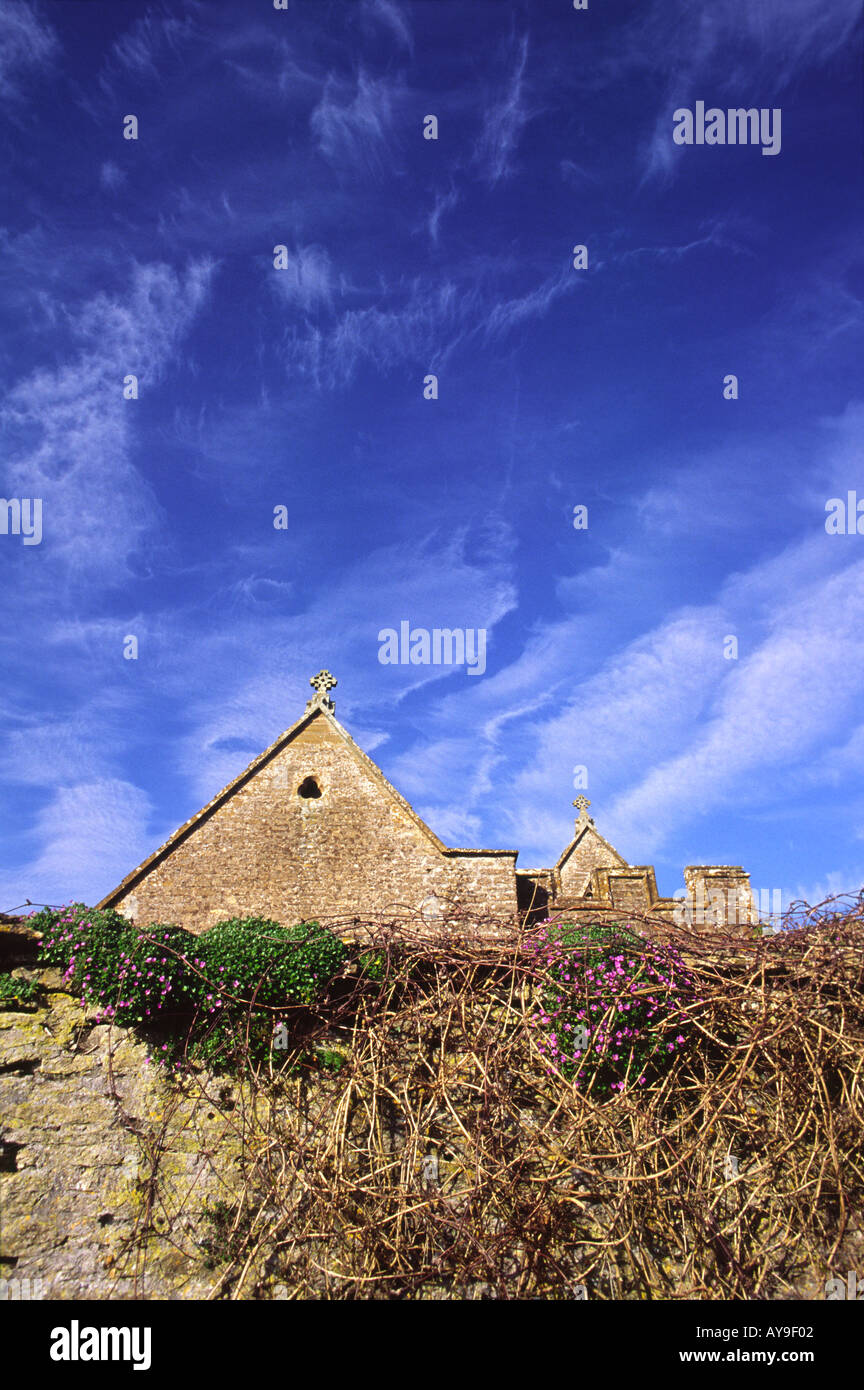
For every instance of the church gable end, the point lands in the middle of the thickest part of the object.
(311, 829)
(586, 852)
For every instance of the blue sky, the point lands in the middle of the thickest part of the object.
(558, 387)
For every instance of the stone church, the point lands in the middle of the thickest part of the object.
(313, 829)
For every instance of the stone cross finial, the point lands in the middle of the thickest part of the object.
(582, 803)
(321, 684)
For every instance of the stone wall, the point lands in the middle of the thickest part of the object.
(81, 1109)
(486, 881)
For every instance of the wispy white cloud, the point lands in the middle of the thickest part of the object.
(455, 826)
(692, 496)
(392, 17)
(577, 174)
(785, 37)
(717, 236)
(90, 835)
(111, 176)
(824, 305)
(352, 124)
(725, 490)
(775, 708)
(425, 323)
(307, 279)
(140, 51)
(835, 882)
(512, 313)
(504, 120)
(444, 203)
(426, 328)
(840, 762)
(70, 428)
(630, 712)
(28, 44)
(41, 752)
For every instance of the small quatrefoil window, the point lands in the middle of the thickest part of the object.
(308, 788)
